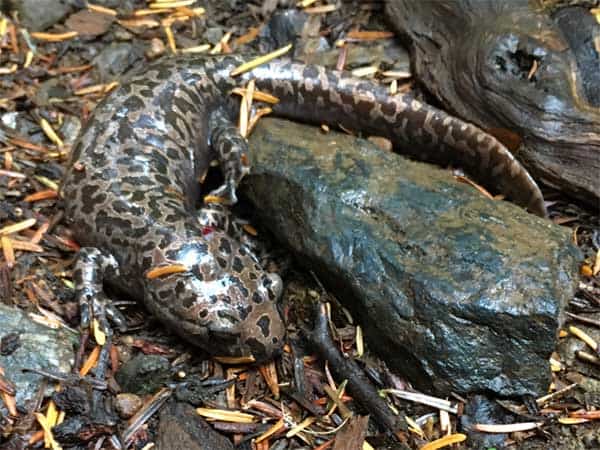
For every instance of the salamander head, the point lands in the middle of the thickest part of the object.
(224, 303)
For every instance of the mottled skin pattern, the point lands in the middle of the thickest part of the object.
(132, 187)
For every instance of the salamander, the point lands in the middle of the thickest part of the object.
(131, 188)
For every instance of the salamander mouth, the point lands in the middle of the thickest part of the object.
(231, 345)
(226, 343)
(264, 351)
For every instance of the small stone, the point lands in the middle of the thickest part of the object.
(127, 404)
(70, 129)
(312, 45)
(144, 374)
(38, 15)
(116, 58)
(213, 34)
(156, 48)
(49, 90)
(381, 142)
(181, 428)
(89, 23)
(121, 34)
(127, 340)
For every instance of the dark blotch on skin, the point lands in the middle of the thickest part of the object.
(180, 288)
(310, 72)
(88, 191)
(197, 273)
(264, 323)
(120, 206)
(138, 196)
(237, 265)
(99, 159)
(225, 247)
(244, 311)
(133, 103)
(109, 174)
(188, 301)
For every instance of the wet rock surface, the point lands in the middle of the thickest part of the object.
(30, 345)
(458, 292)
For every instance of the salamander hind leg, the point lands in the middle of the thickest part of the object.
(232, 152)
(91, 269)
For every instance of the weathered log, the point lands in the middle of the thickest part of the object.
(516, 66)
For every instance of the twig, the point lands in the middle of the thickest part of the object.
(359, 384)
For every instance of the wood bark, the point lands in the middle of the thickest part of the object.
(523, 70)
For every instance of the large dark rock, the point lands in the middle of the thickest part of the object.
(458, 292)
(526, 70)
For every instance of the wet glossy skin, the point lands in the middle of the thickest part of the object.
(132, 186)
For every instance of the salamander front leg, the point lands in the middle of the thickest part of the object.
(91, 269)
(232, 152)
(217, 216)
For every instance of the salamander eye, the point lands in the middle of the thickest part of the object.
(276, 288)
